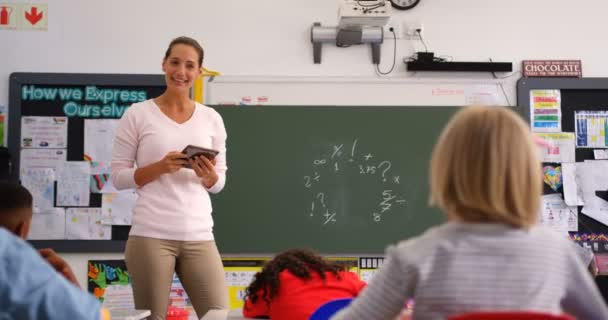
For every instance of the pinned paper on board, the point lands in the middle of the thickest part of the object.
(44, 132)
(48, 224)
(73, 184)
(590, 128)
(117, 208)
(85, 224)
(546, 110)
(98, 143)
(594, 177)
(552, 176)
(40, 182)
(42, 158)
(559, 148)
(573, 194)
(600, 154)
(557, 215)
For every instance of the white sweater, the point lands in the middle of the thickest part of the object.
(464, 267)
(175, 206)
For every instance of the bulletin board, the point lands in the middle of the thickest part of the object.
(58, 118)
(573, 95)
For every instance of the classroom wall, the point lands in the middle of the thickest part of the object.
(271, 38)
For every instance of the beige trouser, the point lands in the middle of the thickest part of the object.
(151, 263)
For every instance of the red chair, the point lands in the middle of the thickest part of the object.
(511, 315)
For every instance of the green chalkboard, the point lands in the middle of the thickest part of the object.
(335, 179)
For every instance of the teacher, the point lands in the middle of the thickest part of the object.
(172, 228)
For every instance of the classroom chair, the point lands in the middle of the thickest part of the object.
(511, 315)
(328, 309)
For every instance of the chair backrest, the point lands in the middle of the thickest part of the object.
(328, 309)
(511, 315)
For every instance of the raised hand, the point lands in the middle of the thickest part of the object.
(59, 264)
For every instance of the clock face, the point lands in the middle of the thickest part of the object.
(404, 4)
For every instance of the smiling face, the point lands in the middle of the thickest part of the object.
(181, 67)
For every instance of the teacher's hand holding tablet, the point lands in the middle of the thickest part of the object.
(172, 162)
(205, 169)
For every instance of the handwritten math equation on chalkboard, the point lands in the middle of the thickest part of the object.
(346, 159)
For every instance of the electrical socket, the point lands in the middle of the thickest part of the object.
(411, 30)
(395, 27)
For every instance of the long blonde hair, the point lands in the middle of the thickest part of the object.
(485, 168)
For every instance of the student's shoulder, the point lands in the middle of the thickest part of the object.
(550, 236)
(11, 246)
(419, 247)
(17, 256)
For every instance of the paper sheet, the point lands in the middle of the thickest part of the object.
(117, 296)
(573, 195)
(484, 95)
(98, 143)
(44, 132)
(42, 158)
(594, 177)
(239, 278)
(48, 224)
(556, 215)
(85, 224)
(367, 275)
(561, 149)
(600, 154)
(117, 208)
(73, 184)
(41, 184)
(546, 110)
(590, 128)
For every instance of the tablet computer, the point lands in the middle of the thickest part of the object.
(192, 151)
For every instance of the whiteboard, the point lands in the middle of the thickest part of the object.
(351, 91)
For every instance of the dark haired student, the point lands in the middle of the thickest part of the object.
(172, 226)
(295, 283)
(35, 285)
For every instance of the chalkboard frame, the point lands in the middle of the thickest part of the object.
(17, 80)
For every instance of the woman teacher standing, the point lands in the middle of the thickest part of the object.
(172, 227)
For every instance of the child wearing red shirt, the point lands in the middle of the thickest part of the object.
(295, 283)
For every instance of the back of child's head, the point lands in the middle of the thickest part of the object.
(485, 168)
(302, 263)
(15, 208)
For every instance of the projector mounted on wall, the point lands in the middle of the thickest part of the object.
(359, 22)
